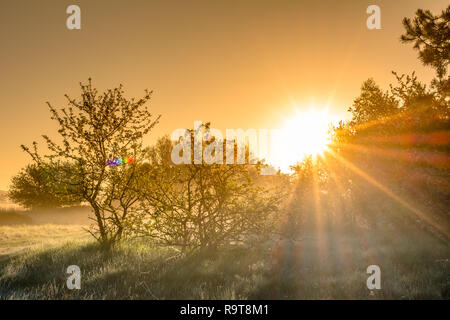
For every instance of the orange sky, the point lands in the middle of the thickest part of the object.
(239, 64)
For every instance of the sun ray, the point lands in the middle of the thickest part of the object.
(435, 159)
(391, 194)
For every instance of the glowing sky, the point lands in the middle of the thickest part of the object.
(238, 64)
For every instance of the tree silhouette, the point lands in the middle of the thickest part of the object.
(45, 186)
(372, 104)
(94, 129)
(431, 37)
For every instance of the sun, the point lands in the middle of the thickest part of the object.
(305, 133)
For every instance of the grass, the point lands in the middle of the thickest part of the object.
(326, 267)
(24, 229)
(18, 238)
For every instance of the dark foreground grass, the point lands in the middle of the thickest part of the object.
(325, 267)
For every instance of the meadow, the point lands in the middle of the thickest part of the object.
(332, 265)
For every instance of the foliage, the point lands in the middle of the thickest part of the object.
(372, 103)
(197, 206)
(431, 37)
(93, 129)
(45, 186)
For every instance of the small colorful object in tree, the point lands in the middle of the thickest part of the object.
(118, 161)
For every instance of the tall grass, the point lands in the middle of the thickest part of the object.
(318, 267)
